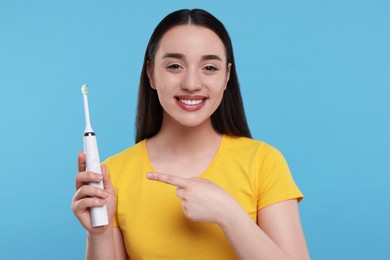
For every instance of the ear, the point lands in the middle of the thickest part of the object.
(149, 72)
(228, 74)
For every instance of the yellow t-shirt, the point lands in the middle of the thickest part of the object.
(150, 214)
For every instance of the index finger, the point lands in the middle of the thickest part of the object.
(168, 179)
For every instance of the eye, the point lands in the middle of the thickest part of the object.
(174, 67)
(210, 68)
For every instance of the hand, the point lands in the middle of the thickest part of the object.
(202, 200)
(87, 196)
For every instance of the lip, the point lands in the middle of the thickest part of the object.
(191, 107)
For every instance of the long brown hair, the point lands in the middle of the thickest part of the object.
(229, 118)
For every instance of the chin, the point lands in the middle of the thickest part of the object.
(191, 123)
(188, 120)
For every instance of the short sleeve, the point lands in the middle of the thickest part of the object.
(276, 183)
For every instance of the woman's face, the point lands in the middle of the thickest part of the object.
(190, 73)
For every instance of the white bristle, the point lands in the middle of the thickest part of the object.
(84, 89)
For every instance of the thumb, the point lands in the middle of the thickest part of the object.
(81, 161)
(106, 179)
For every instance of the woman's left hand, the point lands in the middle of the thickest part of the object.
(202, 200)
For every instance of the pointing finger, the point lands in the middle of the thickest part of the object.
(169, 179)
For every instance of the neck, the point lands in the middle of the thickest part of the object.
(179, 139)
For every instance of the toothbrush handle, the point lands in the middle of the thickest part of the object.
(99, 215)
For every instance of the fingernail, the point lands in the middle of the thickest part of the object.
(149, 175)
(99, 177)
(105, 194)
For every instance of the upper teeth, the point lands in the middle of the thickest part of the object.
(191, 102)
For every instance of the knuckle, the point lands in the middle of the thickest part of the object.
(81, 190)
(91, 175)
(77, 178)
(74, 198)
(80, 176)
(167, 178)
(185, 196)
(188, 214)
(74, 206)
(98, 202)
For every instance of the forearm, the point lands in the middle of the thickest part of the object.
(247, 239)
(101, 246)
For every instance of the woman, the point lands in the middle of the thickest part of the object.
(195, 186)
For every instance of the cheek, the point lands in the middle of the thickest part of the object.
(166, 81)
(219, 85)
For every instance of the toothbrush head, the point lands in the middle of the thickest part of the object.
(84, 89)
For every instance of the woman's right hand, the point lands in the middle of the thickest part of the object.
(87, 196)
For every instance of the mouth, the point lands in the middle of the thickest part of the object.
(191, 103)
(191, 100)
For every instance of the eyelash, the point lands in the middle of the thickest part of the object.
(174, 67)
(177, 67)
(210, 68)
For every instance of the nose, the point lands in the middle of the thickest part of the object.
(191, 81)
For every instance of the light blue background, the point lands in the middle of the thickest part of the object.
(315, 77)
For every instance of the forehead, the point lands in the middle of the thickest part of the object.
(191, 40)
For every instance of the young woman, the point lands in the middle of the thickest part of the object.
(195, 186)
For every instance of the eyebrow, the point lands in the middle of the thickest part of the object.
(211, 57)
(182, 56)
(173, 55)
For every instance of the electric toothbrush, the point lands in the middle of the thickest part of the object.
(99, 215)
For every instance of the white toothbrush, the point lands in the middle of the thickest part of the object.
(99, 215)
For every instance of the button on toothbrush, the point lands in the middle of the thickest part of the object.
(99, 215)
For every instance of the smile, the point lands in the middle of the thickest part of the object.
(191, 102)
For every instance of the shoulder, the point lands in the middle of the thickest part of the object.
(123, 156)
(130, 157)
(251, 147)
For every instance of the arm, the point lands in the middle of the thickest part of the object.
(108, 245)
(105, 242)
(278, 235)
